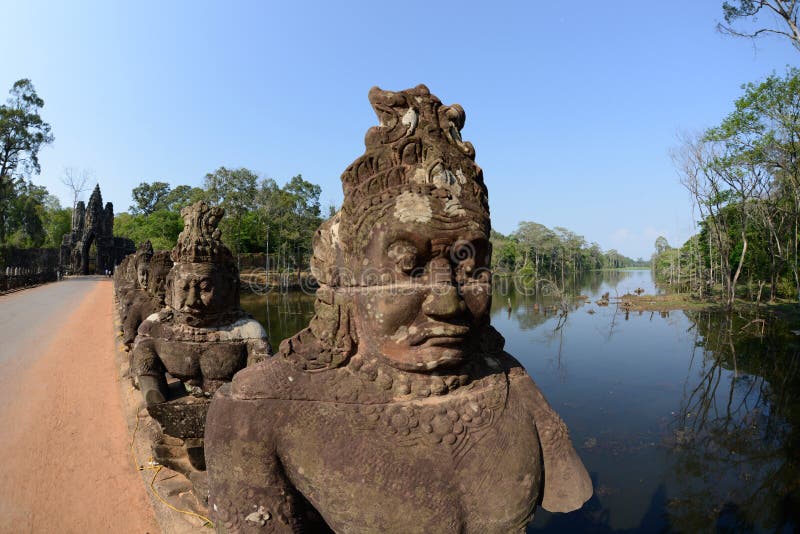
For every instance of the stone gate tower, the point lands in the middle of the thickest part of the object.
(93, 225)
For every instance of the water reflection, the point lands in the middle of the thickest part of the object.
(283, 314)
(687, 421)
(735, 438)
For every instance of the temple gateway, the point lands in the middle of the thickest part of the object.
(91, 246)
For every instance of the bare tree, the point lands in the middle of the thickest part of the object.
(693, 160)
(76, 180)
(723, 183)
(785, 13)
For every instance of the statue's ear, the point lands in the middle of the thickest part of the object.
(567, 485)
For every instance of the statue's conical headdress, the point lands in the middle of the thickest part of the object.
(200, 241)
(416, 165)
(417, 144)
(144, 251)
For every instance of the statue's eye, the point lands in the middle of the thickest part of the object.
(205, 285)
(404, 255)
(463, 251)
(471, 259)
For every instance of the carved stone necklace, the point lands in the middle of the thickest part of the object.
(449, 411)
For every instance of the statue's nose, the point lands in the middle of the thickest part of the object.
(441, 272)
(443, 303)
(191, 296)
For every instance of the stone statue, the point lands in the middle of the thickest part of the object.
(123, 282)
(149, 297)
(201, 338)
(132, 290)
(397, 409)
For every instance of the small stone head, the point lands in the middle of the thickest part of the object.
(203, 284)
(160, 265)
(141, 263)
(408, 255)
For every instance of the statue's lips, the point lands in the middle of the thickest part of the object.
(440, 335)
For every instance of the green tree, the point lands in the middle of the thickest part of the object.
(236, 191)
(149, 197)
(22, 134)
(744, 175)
(160, 227)
(182, 196)
(292, 214)
(24, 221)
(785, 12)
(662, 244)
(57, 222)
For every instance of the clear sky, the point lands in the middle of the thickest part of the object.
(572, 107)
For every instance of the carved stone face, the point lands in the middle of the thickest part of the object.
(200, 289)
(142, 273)
(157, 279)
(425, 292)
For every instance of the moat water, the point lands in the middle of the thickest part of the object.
(686, 421)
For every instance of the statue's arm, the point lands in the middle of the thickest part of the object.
(567, 485)
(257, 350)
(130, 326)
(149, 369)
(248, 489)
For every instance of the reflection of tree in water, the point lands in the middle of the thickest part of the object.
(736, 441)
(286, 313)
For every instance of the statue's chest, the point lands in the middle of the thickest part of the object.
(192, 358)
(466, 464)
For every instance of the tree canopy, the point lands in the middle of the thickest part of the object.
(149, 197)
(783, 12)
(22, 134)
(257, 212)
(744, 175)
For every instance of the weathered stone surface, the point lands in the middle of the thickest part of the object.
(183, 418)
(201, 337)
(397, 409)
(145, 295)
(93, 224)
(131, 289)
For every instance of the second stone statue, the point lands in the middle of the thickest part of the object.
(201, 338)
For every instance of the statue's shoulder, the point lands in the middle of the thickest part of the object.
(521, 384)
(281, 378)
(510, 366)
(156, 324)
(248, 328)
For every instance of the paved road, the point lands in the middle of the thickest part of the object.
(65, 462)
(28, 318)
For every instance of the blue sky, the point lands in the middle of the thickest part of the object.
(573, 107)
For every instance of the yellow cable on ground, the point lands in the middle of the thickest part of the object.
(157, 468)
(206, 521)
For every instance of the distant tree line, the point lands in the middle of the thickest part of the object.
(260, 216)
(556, 254)
(744, 178)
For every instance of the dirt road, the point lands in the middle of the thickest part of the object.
(65, 465)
